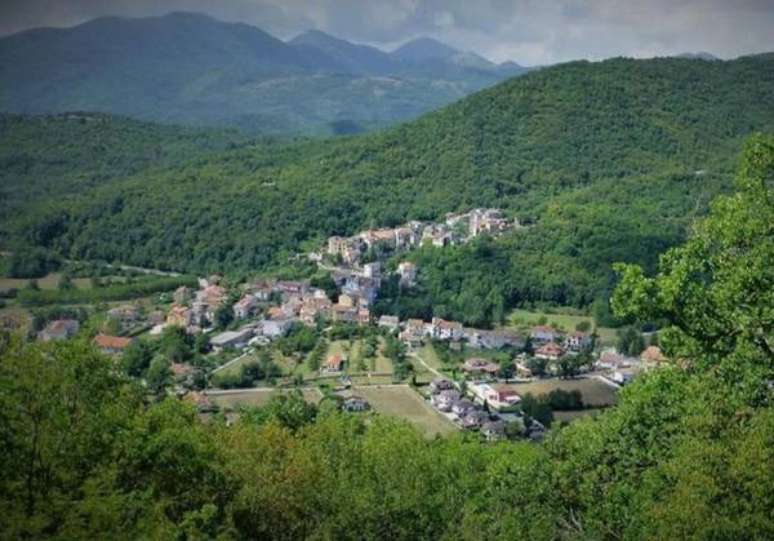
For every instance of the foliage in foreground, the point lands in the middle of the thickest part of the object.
(687, 454)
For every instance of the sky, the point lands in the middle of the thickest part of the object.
(530, 32)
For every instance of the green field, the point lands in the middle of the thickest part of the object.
(595, 392)
(524, 319)
(351, 352)
(401, 401)
(258, 397)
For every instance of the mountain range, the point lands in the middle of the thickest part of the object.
(191, 69)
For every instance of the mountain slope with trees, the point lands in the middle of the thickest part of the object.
(604, 161)
(688, 452)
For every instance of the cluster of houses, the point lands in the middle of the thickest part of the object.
(488, 409)
(415, 331)
(455, 229)
(195, 310)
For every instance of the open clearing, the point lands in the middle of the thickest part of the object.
(401, 401)
(566, 322)
(352, 353)
(595, 392)
(256, 397)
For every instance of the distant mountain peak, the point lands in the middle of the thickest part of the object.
(313, 35)
(424, 49)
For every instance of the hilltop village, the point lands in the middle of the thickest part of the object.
(240, 340)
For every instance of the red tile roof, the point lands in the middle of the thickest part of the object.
(106, 341)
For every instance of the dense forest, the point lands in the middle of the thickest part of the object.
(687, 454)
(605, 162)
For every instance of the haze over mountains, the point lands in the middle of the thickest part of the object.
(192, 69)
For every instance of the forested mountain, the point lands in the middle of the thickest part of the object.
(606, 161)
(688, 453)
(191, 69)
(54, 156)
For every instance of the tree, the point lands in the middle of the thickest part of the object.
(537, 366)
(174, 344)
(569, 365)
(716, 290)
(630, 341)
(224, 315)
(159, 374)
(537, 408)
(137, 358)
(583, 326)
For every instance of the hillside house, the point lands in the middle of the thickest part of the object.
(314, 308)
(127, 315)
(493, 430)
(612, 360)
(380, 237)
(355, 404)
(473, 419)
(245, 307)
(389, 322)
(231, 339)
(652, 356)
(480, 366)
(497, 396)
(441, 384)
(290, 288)
(275, 328)
(578, 341)
(213, 296)
(550, 352)
(444, 400)
(59, 329)
(111, 345)
(487, 221)
(334, 363)
(498, 339)
(446, 330)
(462, 406)
(363, 289)
(262, 289)
(344, 314)
(182, 295)
(364, 317)
(543, 334)
(407, 272)
(413, 332)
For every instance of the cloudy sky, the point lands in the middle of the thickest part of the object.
(527, 31)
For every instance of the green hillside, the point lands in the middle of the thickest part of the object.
(687, 453)
(57, 155)
(609, 161)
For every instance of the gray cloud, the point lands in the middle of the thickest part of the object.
(527, 31)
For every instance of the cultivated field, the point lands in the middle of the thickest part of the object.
(401, 401)
(256, 397)
(595, 392)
